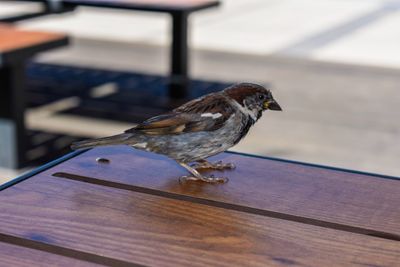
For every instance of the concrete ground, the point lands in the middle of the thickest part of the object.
(333, 65)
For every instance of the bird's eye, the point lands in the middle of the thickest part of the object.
(261, 97)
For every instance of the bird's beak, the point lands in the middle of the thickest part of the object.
(272, 105)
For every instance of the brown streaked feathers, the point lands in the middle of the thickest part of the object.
(189, 117)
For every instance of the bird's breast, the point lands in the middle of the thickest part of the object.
(244, 127)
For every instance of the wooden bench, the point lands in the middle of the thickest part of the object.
(134, 212)
(16, 47)
(179, 11)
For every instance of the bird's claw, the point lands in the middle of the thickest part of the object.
(211, 179)
(213, 166)
(199, 177)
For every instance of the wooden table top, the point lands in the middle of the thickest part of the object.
(149, 5)
(134, 212)
(14, 41)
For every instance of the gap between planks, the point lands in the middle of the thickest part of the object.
(230, 206)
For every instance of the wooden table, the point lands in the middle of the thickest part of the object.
(16, 47)
(134, 212)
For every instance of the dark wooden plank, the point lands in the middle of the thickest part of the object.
(12, 39)
(17, 45)
(340, 197)
(157, 231)
(148, 5)
(18, 256)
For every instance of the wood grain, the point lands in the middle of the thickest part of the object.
(12, 38)
(18, 256)
(157, 231)
(333, 196)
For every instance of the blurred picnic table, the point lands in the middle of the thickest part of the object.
(13, 132)
(132, 211)
(179, 10)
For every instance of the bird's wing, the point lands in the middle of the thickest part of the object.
(205, 114)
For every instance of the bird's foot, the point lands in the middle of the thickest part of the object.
(199, 177)
(203, 164)
(211, 179)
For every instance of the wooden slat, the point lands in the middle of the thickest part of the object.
(18, 256)
(139, 228)
(12, 39)
(322, 194)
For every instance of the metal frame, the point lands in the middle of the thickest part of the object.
(40, 169)
(318, 166)
(179, 77)
(12, 123)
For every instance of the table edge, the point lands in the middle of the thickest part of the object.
(321, 166)
(41, 168)
(76, 153)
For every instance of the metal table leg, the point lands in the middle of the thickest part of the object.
(12, 106)
(179, 80)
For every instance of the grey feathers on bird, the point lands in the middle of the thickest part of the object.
(104, 141)
(201, 128)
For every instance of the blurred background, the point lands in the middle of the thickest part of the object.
(333, 65)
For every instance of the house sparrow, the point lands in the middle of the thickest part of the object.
(198, 129)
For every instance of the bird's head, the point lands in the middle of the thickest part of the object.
(253, 98)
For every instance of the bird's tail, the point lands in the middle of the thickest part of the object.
(105, 141)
